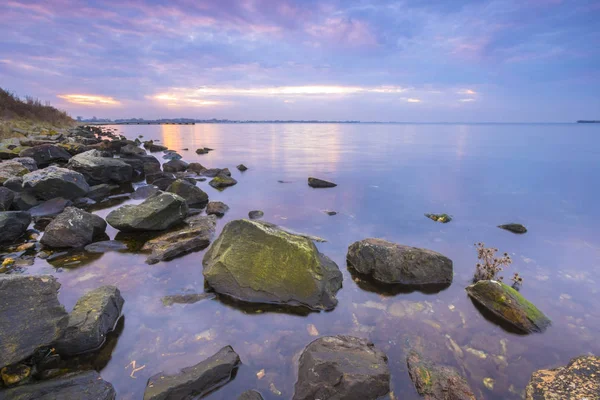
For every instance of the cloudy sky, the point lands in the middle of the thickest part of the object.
(412, 60)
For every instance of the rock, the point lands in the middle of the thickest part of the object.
(195, 381)
(30, 316)
(257, 262)
(153, 148)
(6, 198)
(331, 213)
(171, 155)
(256, 214)
(212, 172)
(101, 191)
(132, 150)
(150, 164)
(194, 237)
(49, 208)
(580, 379)
(52, 182)
(443, 218)
(197, 168)
(137, 166)
(509, 306)
(242, 167)
(216, 208)
(156, 213)
(95, 315)
(175, 166)
(437, 382)
(342, 367)
(106, 246)
(24, 201)
(203, 150)
(393, 263)
(222, 181)
(14, 374)
(143, 192)
(73, 228)
(514, 228)
(193, 195)
(250, 395)
(27, 162)
(15, 183)
(46, 154)
(11, 169)
(189, 298)
(13, 225)
(98, 169)
(319, 183)
(164, 182)
(86, 385)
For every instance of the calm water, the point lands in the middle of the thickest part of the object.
(544, 176)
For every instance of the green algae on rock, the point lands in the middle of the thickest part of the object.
(443, 218)
(509, 305)
(257, 262)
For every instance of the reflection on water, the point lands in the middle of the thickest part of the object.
(389, 176)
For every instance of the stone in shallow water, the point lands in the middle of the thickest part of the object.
(443, 218)
(157, 213)
(193, 195)
(222, 181)
(242, 167)
(342, 367)
(188, 298)
(73, 228)
(196, 380)
(175, 166)
(143, 192)
(13, 225)
(216, 208)
(250, 395)
(514, 228)
(319, 183)
(256, 214)
(257, 262)
(580, 379)
(106, 246)
(52, 182)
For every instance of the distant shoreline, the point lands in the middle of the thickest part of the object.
(104, 123)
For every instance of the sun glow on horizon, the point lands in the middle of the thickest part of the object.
(89, 100)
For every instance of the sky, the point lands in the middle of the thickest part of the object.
(412, 60)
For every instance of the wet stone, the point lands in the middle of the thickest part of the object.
(106, 246)
(216, 208)
(52, 182)
(256, 214)
(157, 213)
(514, 228)
(193, 195)
(73, 228)
(580, 379)
(222, 181)
(250, 395)
(242, 167)
(319, 183)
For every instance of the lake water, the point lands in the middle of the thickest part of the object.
(544, 176)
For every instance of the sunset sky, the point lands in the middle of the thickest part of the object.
(413, 60)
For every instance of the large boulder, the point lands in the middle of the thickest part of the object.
(46, 154)
(73, 228)
(195, 381)
(580, 379)
(6, 198)
(98, 169)
(257, 262)
(344, 368)
(509, 306)
(156, 213)
(11, 169)
(30, 316)
(86, 385)
(52, 182)
(175, 166)
(393, 263)
(95, 315)
(437, 382)
(193, 195)
(13, 225)
(193, 237)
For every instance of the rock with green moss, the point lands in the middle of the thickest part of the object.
(342, 367)
(437, 382)
(11, 169)
(443, 218)
(509, 306)
(222, 181)
(580, 379)
(193, 195)
(157, 213)
(257, 262)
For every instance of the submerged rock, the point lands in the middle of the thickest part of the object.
(257, 262)
(13, 225)
(436, 382)
(222, 181)
(256, 214)
(193, 195)
(443, 218)
(86, 385)
(580, 379)
(342, 367)
(514, 228)
(46, 154)
(106, 246)
(250, 395)
(52, 182)
(194, 381)
(509, 306)
(242, 167)
(393, 263)
(157, 213)
(11, 169)
(30, 316)
(188, 298)
(95, 315)
(319, 183)
(216, 208)
(98, 169)
(73, 228)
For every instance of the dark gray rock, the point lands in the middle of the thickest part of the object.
(49, 208)
(98, 169)
(143, 192)
(164, 182)
(156, 213)
(319, 183)
(242, 167)
(27, 162)
(211, 173)
(73, 228)
(24, 201)
(46, 154)
(194, 381)
(393, 263)
(106, 246)
(132, 150)
(150, 164)
(514, 228)
(86, 385)
(256, 214)
(193, 195)
(13, 225)
(222, 181)
(6, 198)
(154, 176)
(95, 315)
(196, 168)
(216, 208)
(153, 148)
(171, 155)
(342, 367)
(250, 395)
(175, 166)
(15, 183)
(30, 316)
(137, 165)
(101, 191)
(52, 182)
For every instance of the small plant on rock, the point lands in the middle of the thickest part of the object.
(490, 266)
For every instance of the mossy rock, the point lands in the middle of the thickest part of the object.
(222, 181)
(580, 379)
(257, 262)
(509, 305)
(443, 218)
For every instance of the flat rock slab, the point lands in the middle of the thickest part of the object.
(95, 315)
(342, 367)
(156, 213)
(52, 182)
(50, 208)
(106, 246)
(320, 183)
(392, 263)
(196, 380)
(580, 379)
(436, 382)
(80, 386)
(257, 262)
(73, 228)
(509, 306)
(13, 225)
(30, 315)
(514, 228)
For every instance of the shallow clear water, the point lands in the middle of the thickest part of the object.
(544, 176)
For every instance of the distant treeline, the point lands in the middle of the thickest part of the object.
(32, 109)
